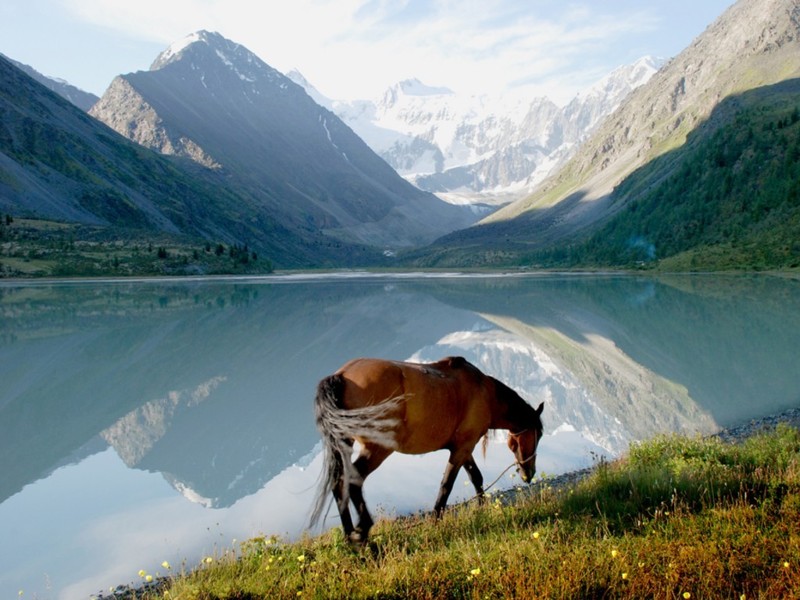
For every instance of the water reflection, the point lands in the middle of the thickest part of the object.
(207, 383)
(134, 408)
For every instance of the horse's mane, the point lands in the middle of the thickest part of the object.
(518, 408)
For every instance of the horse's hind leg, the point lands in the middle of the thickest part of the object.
(342, 499)
(475, 477)
(343, 504)
(369, 458)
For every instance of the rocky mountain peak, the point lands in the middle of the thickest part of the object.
(176, 50)
(414, 87)
(205, 51)
(409, 89)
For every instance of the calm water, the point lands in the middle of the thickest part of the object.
(162, 420)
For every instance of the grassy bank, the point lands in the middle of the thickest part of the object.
(675, 518)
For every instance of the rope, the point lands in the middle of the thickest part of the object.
(488, 487)
(514, 464)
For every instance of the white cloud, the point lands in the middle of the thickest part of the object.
(356, 48)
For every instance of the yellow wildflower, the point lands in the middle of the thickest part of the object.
(475, 572)
(687, 595)
(301, 558)
(166, 565)
(536, 535)
(148, 578)
(142, 572)
(614, 553)
(624, 575)
(786, 564)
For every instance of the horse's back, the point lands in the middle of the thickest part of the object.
(370, 380)
(438, 399)
(378, 379)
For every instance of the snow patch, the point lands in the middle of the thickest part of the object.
(192, 496)
(324, 122)
(177, 47)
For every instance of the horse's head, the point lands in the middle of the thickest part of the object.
(523, 444)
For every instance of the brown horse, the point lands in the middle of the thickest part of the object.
(413, 408)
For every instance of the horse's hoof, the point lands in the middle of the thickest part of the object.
(357, 538)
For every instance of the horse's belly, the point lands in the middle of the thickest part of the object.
(422, 442)
(446, 427)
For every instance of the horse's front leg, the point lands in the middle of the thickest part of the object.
(475, 476)
(448, 479)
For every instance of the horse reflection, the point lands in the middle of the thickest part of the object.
(390, 406)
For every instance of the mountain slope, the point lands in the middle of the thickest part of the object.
(215, 102)
(731, 198)
(81, 99)
(754, 44)
(58, 163)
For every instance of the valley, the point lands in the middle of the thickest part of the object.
(688, 164)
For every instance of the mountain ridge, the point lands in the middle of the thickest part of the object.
(80, 98)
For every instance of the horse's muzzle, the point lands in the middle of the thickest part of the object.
(525, 474)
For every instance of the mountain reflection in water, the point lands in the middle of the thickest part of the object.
(208, 385)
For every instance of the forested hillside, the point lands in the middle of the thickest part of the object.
(732, 198)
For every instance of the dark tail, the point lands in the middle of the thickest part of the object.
(338, 428)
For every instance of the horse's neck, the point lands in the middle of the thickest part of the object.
(509, 411)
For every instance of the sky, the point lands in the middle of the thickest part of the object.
(356, 49)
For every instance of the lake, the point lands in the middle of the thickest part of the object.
(152, 420)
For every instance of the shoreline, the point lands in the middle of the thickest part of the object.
(735, 434)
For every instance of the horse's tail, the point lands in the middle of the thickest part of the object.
(338, 427)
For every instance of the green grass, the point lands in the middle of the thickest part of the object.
(675, 518)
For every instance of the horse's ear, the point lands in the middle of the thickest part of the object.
(540, 409)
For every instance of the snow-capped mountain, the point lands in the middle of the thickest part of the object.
(480, 148)
(210, 99)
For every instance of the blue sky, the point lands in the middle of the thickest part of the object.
(353, 49)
